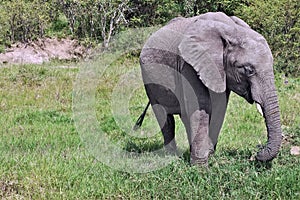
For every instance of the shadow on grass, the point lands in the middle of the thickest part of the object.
(262, 166)
(227, 157)
(242, 158)
(141, 145)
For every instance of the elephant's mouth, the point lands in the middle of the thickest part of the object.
(247, 95)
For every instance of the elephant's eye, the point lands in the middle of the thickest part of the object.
(249, 70)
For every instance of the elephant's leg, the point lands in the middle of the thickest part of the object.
(196, 116)
(169, 134)
(167, 125)
(201, 146)
(219, 104)
(186, 123)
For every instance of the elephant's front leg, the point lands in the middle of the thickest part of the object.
(201, 146)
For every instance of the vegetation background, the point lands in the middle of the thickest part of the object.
(41, 154)
(94, 21)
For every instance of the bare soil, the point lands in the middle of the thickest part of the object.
(43, 50)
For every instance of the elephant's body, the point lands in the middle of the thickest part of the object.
(189, 68)
(162, 48)
(170, 81)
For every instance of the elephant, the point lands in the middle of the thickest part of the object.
(189, 68)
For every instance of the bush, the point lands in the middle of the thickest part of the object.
(24, 20)
(147, 13)
(97, 20)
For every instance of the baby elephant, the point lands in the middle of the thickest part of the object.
(189, 68)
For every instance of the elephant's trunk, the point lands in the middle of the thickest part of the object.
(272, 118)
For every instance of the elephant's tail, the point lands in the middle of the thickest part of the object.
(140, 120)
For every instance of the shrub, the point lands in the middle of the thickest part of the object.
(23, 20)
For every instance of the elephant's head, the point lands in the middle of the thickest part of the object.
(228, 55)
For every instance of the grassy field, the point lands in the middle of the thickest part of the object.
(43, 157)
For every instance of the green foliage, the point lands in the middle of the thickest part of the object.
(279, 22)
(97, 21)
(153, 12)
(2, 48)
(24, 20)
(196, 7)
(59, 27)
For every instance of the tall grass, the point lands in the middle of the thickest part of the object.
(43, 157)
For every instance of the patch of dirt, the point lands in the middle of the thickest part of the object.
(43, 50)
(8, 189)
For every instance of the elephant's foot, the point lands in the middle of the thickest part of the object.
(201, 150)
(201, 157)
(171, 148)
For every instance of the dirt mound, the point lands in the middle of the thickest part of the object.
(43, 50)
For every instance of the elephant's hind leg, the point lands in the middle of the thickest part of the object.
(169, 134)
(167, 125)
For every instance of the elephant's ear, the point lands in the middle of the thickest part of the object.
(203, 48)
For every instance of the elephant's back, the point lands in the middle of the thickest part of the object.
(159, 56)
(169, 36)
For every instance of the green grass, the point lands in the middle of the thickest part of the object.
(43, 157)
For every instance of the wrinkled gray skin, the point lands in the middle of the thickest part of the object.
(191, 65)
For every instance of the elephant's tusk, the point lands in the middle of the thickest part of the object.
(259, 109)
